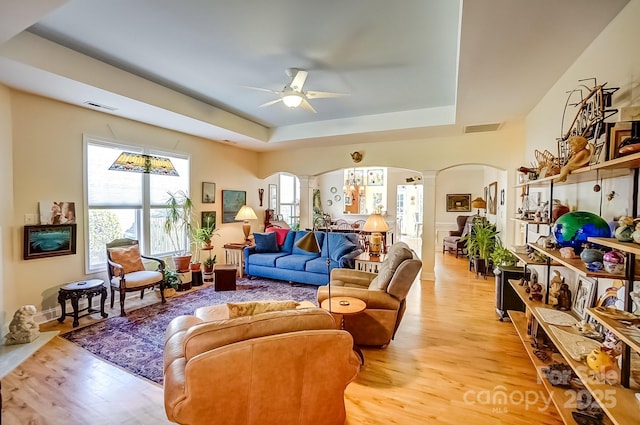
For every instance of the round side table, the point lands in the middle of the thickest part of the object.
(76, 290)
(345, 306)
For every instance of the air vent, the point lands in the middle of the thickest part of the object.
(482, 128)
(100, 106)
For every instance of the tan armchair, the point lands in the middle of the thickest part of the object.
(281, 367)
(384, 293)
(127, 272)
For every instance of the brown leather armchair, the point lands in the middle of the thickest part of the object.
(384, 293)
(281, 367)
(453, 243)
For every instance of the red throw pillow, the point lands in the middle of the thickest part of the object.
(281, 234)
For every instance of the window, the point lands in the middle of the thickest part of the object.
(290, 199)
(126, 205)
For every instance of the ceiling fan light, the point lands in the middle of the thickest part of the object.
(292, 100)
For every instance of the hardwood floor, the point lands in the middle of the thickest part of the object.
(452, 362)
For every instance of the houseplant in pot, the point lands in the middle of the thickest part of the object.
(207, 265)
(178, 223)
(480, 243)
(502, 256)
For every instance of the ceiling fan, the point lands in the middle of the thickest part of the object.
(292, 94)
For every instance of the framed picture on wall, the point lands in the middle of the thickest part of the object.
(208, 219)
(208, 193)
(459, 202)
(232, 201)
(492, 198)
(49, 240)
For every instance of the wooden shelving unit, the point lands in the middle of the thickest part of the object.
(574, 264)
(619, 403)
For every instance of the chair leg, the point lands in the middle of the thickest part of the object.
(122, 295)
(142, 294)
(162, 291)
(113, 296)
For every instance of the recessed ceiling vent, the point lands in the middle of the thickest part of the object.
(100, 106)
(482, 128)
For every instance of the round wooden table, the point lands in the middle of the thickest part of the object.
(345, 306)
(76, 290)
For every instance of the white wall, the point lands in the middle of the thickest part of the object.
(48, 163)
(7, 290)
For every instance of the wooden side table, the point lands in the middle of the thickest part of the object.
(76, 290)
(367, 263)
(234, 254)
(224, 277)
(345, 306)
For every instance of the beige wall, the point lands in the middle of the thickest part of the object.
(7, 291)
(48, 164)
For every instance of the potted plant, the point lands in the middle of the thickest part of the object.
(171, 283)
(208, 264)
(480, 243)
(177, 222)
(203, 235)
(502, 256)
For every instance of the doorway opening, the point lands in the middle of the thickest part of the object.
(409, 215)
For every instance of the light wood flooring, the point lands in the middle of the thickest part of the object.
(452, 362)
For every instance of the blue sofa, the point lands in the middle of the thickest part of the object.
(288, 262)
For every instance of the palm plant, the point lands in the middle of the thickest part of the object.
(178, 218)
(480, 243)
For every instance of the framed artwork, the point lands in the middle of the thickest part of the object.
(583, 298)
(492, 199)
(502, 197)
(359, 177)
(57, 212)
(208, 219)
(208, 193)
(273, 196)
(49, 240)
(617, 134)
(375, 177)
(459, 202)
(232, 201)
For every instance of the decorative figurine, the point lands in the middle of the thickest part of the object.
(535, 292)
(625, 229)
(567, 252)
(579, 155)
(23, 328)
(554, 287)
(564, 298)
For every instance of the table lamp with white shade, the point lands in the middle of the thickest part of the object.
(246, 213)
(375, 225)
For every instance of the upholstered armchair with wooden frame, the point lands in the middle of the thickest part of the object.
(452, 242)
(384, 294)
(127, 272)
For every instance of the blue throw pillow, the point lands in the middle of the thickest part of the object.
(343, 247)
(266, 242)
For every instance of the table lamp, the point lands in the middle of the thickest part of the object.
(246, 213)
(375, 224)
(479, 203)
(309, 243)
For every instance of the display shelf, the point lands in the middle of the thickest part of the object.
(575, 264)
(631, 247)
(562, 398)
(618, 403)
(629, 336)
(533, 222)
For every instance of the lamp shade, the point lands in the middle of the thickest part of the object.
(142, 163)
(375, 223)
(246, 213)
(478, 203)
(309, 243)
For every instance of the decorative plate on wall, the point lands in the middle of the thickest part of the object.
(337, 197)
(333, 189)
(329, 202)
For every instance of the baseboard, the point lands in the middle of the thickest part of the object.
(54, 313)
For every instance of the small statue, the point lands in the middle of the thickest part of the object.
(535, 293)
(554, 287)
(579, 155)
(564, 298)
(23, 328)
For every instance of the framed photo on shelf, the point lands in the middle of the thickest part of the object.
(584, 296)
(458, 202)
(208, 193)
(617, 134)
(49, 240)
(232, 201)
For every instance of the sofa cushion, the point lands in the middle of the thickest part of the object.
(128, 257)
(293, 261)
(398, 253)
(266, 259)
(301, 234)
(256, 307)
(319, 265)
(334, 240)
(281, 234)
(343, 246)
(266, 242)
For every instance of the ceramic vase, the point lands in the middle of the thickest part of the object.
(590, 255)
(613, 262)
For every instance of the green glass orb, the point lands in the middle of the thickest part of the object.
(572, 229)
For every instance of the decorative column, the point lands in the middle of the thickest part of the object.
(428, 224)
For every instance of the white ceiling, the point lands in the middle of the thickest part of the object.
(412, 68)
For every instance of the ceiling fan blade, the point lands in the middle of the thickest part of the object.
(306, 105)
(323, 94)
(273, 102)
(299, 78)
(261, 89)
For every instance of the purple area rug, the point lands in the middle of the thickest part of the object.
(135, 342)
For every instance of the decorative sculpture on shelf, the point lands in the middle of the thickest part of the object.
(356, 156)
(23, 328)
(564, 298)
(579, 155)
(554, 287)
